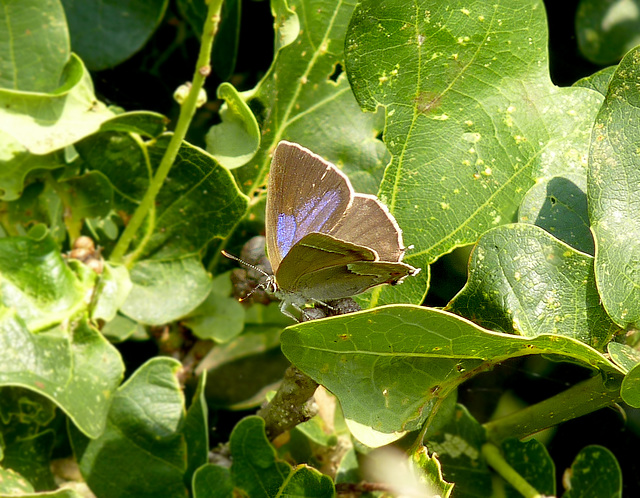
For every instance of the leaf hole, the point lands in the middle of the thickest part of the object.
(337, 71)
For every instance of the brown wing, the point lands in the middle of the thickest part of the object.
(305, 194)
(368, 222)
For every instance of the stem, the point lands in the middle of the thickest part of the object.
(290, 406)
(495, 459)
(187, 111)
(585, 397)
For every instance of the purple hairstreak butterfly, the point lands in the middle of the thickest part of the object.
(324, 241)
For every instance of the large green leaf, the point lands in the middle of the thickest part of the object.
(68, 366)
(300, 98)
(523, 280)
(614, 196)
(44, 122)
(390, 366)
(472, 117)
(105, 33)
(34, 44)
(145, 424)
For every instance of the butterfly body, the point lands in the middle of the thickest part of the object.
(324, 241)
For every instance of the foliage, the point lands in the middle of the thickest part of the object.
(129, 368)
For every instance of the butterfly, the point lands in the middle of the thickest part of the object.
(324, 241)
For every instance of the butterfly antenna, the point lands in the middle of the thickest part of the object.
(248, 265)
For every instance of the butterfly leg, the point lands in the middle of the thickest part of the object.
(286, 312)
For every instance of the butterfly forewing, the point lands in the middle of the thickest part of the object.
(367, 222)
(305, 194)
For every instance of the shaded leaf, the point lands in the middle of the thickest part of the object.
(212, 481)
(614, 197)
(196, 432)
(145, 423)
(594, 472)
(559, 205)
(606, 30)
(630, 389)
(105, 34)
(522, 280)
(531, 460)
(458, 446)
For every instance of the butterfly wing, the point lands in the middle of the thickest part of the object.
(305, 194)
(314, 252)
(368, 222)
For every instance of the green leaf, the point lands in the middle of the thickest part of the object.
(302, 100)
(522, 280)
(389, 366)
(472, 118)
(607, 30)
(622, 355)
(630, 389)
(166, 290)
(258, 473)
(236, 140)
(111, 292)
(37, 282)
(145, 425)
(13, 484)
(30, 456)
(121, 328)
(198, 202)
(105, 34)
(87, 196)
(146, 123)
(614, 197)
(432, 472)
(122, 158)
(458, 446)
(61, 493)
(196, 431)
(220, 317)
(44, 122)
(532, 461)
(598, 81)
(559, 205)
(68, 367)
(16, 163)
(212, 481)
(594, 472)
(35, 45)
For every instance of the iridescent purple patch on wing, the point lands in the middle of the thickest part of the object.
(310, 217)
(285, 233)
